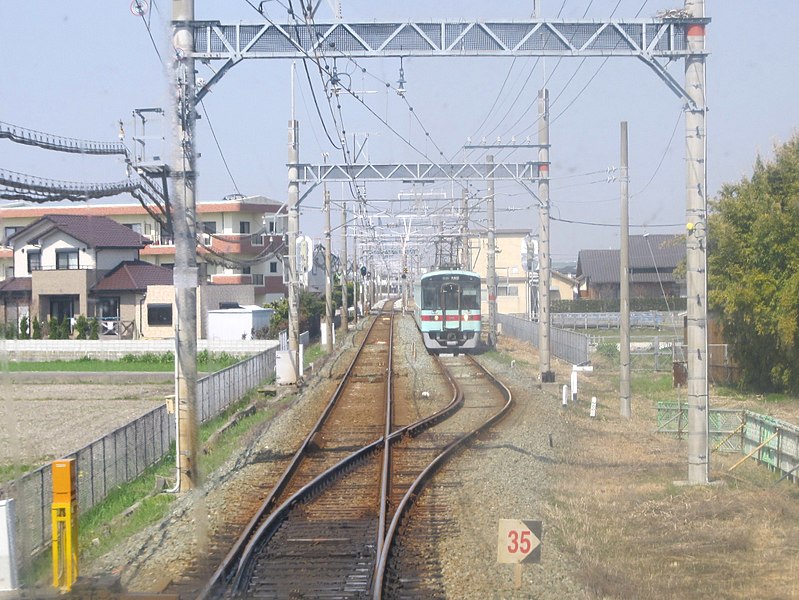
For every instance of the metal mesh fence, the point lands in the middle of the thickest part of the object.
(124, 454)
(769, 441)
(565, 345)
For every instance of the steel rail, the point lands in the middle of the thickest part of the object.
(415, 488)
(238, 581)
(229, 566)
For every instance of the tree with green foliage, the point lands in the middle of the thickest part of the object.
(24, 330)
(753, 270)
(36, 332)
(311, 308)
(53, 330)
(63, 329)
(81, 327)
(94, 328)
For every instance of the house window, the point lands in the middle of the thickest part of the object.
(257, 279)
(134, 226)
(209, 227)
(507, 290)
(273, 267)
(34, 260)
(164, 235)
(246, 270)
(66, 259)
(159, 314)
(8, 232)
(244, 227)
(108, 308)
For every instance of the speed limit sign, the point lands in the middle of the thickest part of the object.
(519, 541)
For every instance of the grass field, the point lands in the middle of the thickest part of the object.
(206, 362)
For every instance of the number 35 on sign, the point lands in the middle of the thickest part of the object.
(519, 541)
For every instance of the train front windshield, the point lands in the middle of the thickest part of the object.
(463, 294)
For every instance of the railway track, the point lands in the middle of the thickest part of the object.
(352, 419)
(330, 539)
(409, 566)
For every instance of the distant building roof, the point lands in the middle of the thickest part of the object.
(16, 284)
(653, 259)
(133, 275)
(94, 231)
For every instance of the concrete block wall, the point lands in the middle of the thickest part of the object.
(42, 350)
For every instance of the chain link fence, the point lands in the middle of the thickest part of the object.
(124, 454)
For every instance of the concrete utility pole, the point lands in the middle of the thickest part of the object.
(491, 258)
(624, 278)
(328, 274)
(547, 375)
(344, 317)
(184, 230)
(355, 278)
(696, 249)
(466, 260)
(293, 229)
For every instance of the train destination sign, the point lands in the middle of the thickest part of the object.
(519, 541)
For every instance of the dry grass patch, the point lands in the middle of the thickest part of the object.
(632, 532)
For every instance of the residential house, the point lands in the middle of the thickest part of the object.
(654, 263)
(516, 262)
(57, 261)
(241, 238)
(72, 265)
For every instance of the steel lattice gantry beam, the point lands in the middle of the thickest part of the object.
(415, 172)
(646, 39)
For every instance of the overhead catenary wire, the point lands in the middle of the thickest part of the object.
(219, 147)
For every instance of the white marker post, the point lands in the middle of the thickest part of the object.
(518, 542)
(574, 386)
(565, 397)
(575, 370)
(593, 406)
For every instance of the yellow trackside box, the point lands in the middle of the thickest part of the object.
(64, 480)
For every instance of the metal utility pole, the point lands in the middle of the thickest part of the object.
(293, 229)
(184, 229)
(344, 317)
(624, 278)
(547, 375)
(491, 258)
(328, 274)
(696, 248)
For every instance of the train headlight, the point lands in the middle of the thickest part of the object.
(466, 316)
(437, 317)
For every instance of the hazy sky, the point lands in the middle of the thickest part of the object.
(76, 68)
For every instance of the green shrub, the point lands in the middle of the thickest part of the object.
(24, 333)
(37, 329)
(94, 328)
(609, 350)
(53, 331)
(81, 327)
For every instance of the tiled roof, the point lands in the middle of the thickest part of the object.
(16, 284)
(653, 259)
(133, 275)
(94, 231)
